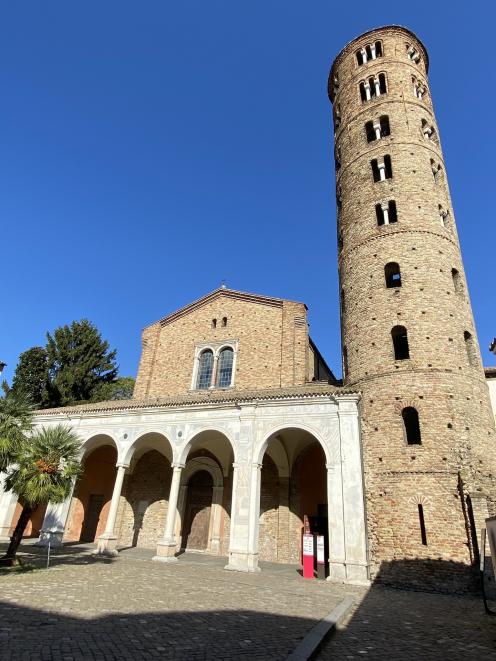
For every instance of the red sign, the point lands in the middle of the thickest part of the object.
(308, 554)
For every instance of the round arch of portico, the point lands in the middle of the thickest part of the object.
(96, 441)
(127, 454)
(181, 453)
(262, 445)
(212, 467)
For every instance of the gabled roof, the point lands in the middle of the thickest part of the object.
(228, 293)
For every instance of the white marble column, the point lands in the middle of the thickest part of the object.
(253, 533)
(167, 546)
(240, 556)
(348, 550)
(107, 542)
(337, 554)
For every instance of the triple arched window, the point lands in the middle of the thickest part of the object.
(214, 368)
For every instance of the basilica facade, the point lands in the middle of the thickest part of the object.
(239, 434)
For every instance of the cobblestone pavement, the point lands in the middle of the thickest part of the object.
(401, 625)
(133, 608)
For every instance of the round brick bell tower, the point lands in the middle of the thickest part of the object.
(408, 335)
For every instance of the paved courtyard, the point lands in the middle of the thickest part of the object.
(133, 608)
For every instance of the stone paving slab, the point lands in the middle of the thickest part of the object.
(404, 626)
(133, 608)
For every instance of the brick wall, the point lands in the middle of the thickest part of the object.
(272, 338)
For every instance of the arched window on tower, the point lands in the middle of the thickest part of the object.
(429, 132)
(386, 213)
(400, 343)
(372, 87)
(375, 130)
(393, 275)
(381, 169)
(413, 54)
(470, 347)
(205, 368)
(457, 283)
(411, 425)
(443, 215)
(224, 368)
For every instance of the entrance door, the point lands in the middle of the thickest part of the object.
(197, 514)
(91, 518)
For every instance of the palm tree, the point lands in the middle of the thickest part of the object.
(16, 415)
(46, 465)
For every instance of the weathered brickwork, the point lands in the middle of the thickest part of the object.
(271, 336)
(457, 455)
(143, 505)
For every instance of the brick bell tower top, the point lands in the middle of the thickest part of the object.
(361, 42)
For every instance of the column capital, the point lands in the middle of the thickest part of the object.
(122, 465)
(177, 465)
(256, 465)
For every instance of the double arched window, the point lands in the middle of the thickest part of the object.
(214, 367)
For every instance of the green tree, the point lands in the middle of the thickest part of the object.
(31, 376)
(15, 423)
(121, 388)
(79, 363)
(46, 465)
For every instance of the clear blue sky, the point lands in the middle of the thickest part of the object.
(151, 149)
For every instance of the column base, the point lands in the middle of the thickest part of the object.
(242, 561)
(346, 572)
(166, 552)
(50, 536)
(106, 545)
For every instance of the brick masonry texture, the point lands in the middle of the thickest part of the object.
(272, 335)
(457, 456)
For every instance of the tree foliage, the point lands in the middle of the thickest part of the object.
(31, 376)
(42, 469)
(79, 363)
(121, 388)
(15, 423)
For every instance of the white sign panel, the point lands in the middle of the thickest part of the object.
(308, 545)
(320, 550)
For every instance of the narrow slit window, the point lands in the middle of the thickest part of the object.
(214, 323)
(400, 343)
(345, 361)
(411, 426)
(224, 322)
(392, 274)
(470, 347)
(423, 533)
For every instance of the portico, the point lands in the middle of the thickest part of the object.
(190, 473)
